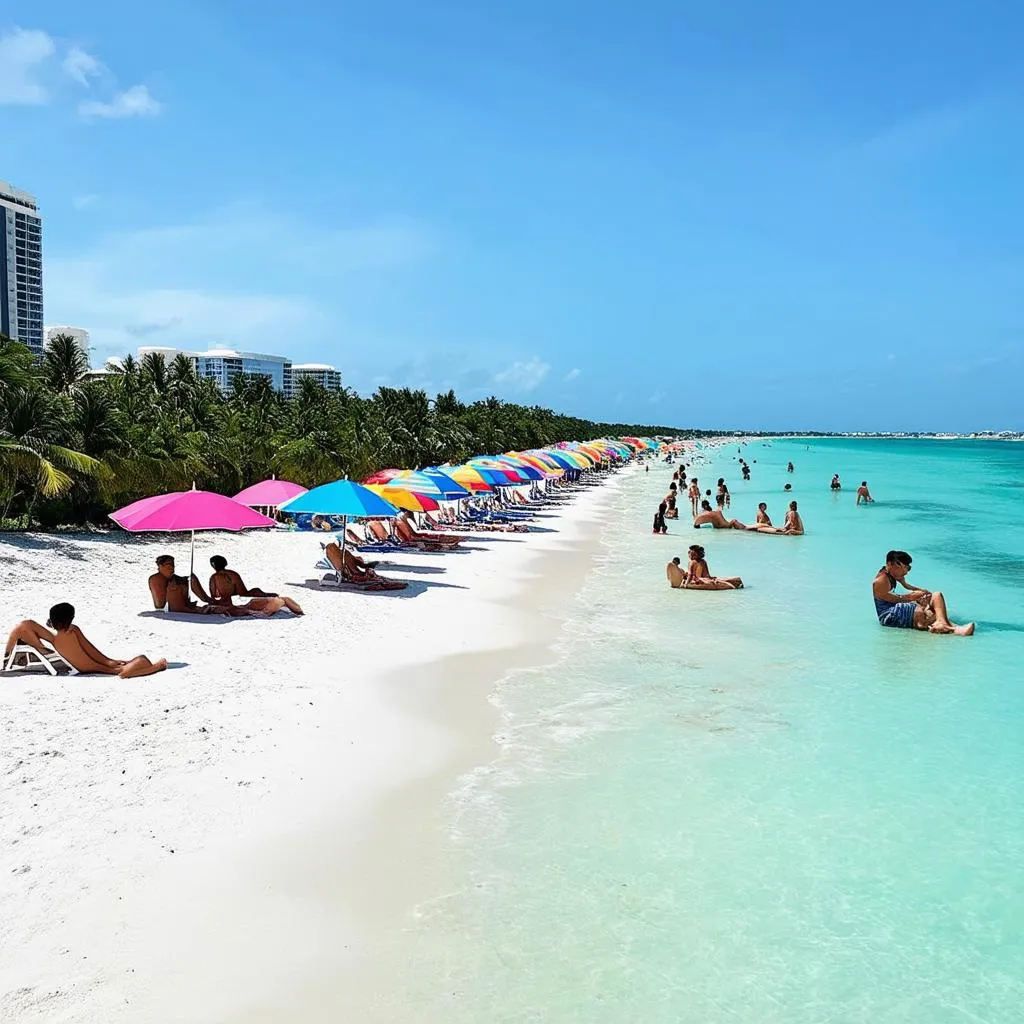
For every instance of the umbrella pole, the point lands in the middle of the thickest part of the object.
(344, 537)
(192, 559)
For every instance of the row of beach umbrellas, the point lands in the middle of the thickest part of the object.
(380, 495)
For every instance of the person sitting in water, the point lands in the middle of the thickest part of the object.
(676, 576)
(836, 485)
(671, 512)
(763, 521)
(789, 467)
(793, 524)
(715, 518)
(170, 592)
(75, 648)
(226, 585)
(917, 608)
(698, 575)
(863, 494)
(354, 570)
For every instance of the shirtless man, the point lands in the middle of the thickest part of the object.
(716, 519)
(226, 584)
(917, 608)
(76, 649)
(863, 494)
(171, 592)
(676, 577)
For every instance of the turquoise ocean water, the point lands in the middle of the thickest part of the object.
(759, 806)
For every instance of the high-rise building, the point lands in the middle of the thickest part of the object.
(21, 268)
(326, 376)
(79, 334)
(221, 364)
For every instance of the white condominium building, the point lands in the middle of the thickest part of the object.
(21, 268)
(326, 376)
(221, 364)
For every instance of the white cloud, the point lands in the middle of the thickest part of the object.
(133, 102)
(83, 202)
(81, 66)
(572, 374)
(24, 55)
(523, 376)
(203, 283)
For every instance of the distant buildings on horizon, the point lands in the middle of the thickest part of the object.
(21, 268)
(222, 364)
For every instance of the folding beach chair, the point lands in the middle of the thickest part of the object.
(23, 656)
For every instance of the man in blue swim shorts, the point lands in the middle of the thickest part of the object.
(917, 608)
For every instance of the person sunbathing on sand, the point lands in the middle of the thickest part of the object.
(75, 648)
(716, 519)
(171, 592)
(698, 575)
(916, 609)
(226, 584)
(354, 570)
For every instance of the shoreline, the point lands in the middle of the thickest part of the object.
(181, 939)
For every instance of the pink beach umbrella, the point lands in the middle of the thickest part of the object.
(269, 493)
(188, 510)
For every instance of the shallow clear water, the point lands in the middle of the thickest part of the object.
(760, 806)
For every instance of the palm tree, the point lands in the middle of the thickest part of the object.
(33, 418)
(64, 364)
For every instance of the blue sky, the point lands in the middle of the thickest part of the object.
(769, 215)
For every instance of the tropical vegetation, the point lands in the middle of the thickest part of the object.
(73, 448)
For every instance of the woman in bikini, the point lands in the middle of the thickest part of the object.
(226, 585)
(698, 576)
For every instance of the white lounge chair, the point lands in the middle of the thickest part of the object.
(52, 662)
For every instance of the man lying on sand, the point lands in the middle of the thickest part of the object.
(74, 647)
(226, 584)
(716, 519)
(916, 609)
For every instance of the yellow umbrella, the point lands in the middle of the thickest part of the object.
(402, 498)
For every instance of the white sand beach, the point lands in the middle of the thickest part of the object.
(213, 842)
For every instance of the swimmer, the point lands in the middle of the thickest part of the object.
(917, 608)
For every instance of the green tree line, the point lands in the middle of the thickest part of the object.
(73, 449)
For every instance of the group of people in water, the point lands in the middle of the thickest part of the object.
(913, 608)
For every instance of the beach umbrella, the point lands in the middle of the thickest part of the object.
(515, 474)
(494, 477)
(182, 511)
(401, 498)
(269, 493)
(470, 478)
(421, 483)
(382, 476)
(345, 499)
(451, 489)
